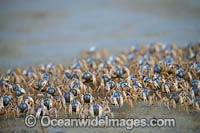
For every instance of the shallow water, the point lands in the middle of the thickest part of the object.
(34, 32)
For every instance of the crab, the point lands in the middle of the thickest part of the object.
(75, 106)
(120, 72)
(180, 72)
(125, 86)
(196, 83)
(67, 74)
(19, 91)
(38, 85)
(7, 107)
(68, 96)
(157, 84)
(176, 98)
(88, 77)
(96, 110)
(145, 93)
(166, 86)
(131, 77)
(110, 85)
(136, 85)
(29, 74)
(52, 111)
(4, 82)
(157, 68)
(178, 83)
(99, 111)
(148, 94)
(87, 98)
(91, 63)
(195, 67)
(75, 87)
(24, 107)
(48, 103)
(196, 103)
(29, 100)
(51, 90)
(106, 77)
(195, 92)
(5, 101)
(41, 110)
(117, 98)
(74, 91)
(148, 79)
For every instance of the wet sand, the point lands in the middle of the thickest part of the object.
(185, 122)
(37, 32)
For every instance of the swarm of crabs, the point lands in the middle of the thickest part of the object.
(161, 74)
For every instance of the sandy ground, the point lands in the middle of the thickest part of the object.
(34, 32)
(185, 122)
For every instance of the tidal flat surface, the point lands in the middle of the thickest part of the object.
(187, 123)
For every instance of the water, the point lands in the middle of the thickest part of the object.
(34, 32)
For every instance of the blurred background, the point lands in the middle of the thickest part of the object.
(43, 31)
